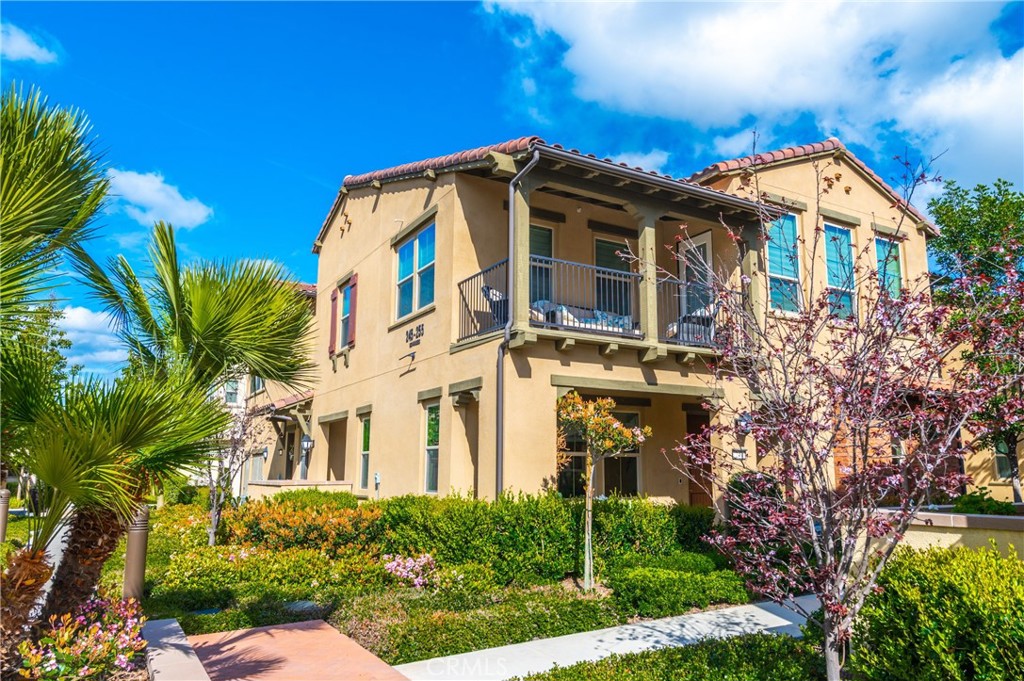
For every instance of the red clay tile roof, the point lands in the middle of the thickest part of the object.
(291, 400)
(832, 144)
(308, 289)
(440, 162)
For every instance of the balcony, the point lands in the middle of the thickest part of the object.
(483, 301)
(570, 295)
(593, 300)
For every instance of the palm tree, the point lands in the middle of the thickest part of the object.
(195, 326)
(83, 436)
(51, 186)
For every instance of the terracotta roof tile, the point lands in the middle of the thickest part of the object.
(291, 400)
(441, 162)
(832, 144)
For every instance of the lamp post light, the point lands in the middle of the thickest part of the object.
(306, 444)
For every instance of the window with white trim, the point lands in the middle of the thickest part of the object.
(344, 316)
(433, 442)
(1003, 469)
(416, 272)
(890, 273)
(231, 391)
(621, 473)
(255, 384)
(839, 258)
(783, 265)
(364, 455)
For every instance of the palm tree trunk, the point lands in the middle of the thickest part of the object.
(91, 539)
(21, 584)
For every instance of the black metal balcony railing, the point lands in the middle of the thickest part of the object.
(687, 313)
(571, 295)
(485, 304)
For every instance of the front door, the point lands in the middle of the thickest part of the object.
(700, 476)
(289, 454)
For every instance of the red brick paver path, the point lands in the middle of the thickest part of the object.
(313, 651)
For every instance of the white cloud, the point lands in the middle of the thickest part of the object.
(93, 342)
(655, 159)
(18, 45)
(147, 197)
(929, 72)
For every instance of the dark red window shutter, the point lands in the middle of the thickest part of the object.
(352, 295)
(334, 322)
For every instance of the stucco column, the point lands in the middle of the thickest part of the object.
(135, 554)
(520, 261)
(647, 245)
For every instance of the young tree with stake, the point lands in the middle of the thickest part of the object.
(605, 437)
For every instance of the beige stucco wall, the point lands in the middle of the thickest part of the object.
(950, 530)
(380, 375)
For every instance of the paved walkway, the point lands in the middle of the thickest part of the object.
(303, 650)
(507, 662)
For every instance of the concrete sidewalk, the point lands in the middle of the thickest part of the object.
(507, 662)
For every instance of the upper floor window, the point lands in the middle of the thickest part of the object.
(231, 391)
(614, 293)
(783, 265)
(343, 315)
(416, 272)
(839, 260)
(542, 245)
(890, 275)
(255, 384)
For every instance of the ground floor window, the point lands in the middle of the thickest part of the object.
(364, 456)
(1003, 471)
(433, 440)
(621, 474)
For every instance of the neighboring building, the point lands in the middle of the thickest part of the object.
(418, 391)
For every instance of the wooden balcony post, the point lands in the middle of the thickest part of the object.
(647, 247)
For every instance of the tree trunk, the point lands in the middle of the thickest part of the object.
(91, 539)
(211, 528)
(588, 529)
(1011, 455)
(21, 584)
(833, 669)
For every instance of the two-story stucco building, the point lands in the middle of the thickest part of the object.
(458, 297)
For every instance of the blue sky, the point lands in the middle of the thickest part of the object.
(238, 121)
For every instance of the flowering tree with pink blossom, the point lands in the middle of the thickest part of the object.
(604, 437)
(857, 406)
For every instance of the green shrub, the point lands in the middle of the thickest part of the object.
(316, 498)
(178, 490)
(980, 501)
(692, 523)
(655, 592)
(534, 536)
(631, 525)
(213, 577)
(682, 561)
(15, 502)
(753, 657)
(522, 617)
(949, 614)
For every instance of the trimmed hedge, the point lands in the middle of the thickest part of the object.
(950, 614)
(522, 538)
(656, 592)
(753, 657)
(317, 498)
(683, 561)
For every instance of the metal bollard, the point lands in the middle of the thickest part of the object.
(135, 555)
(5, 505)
